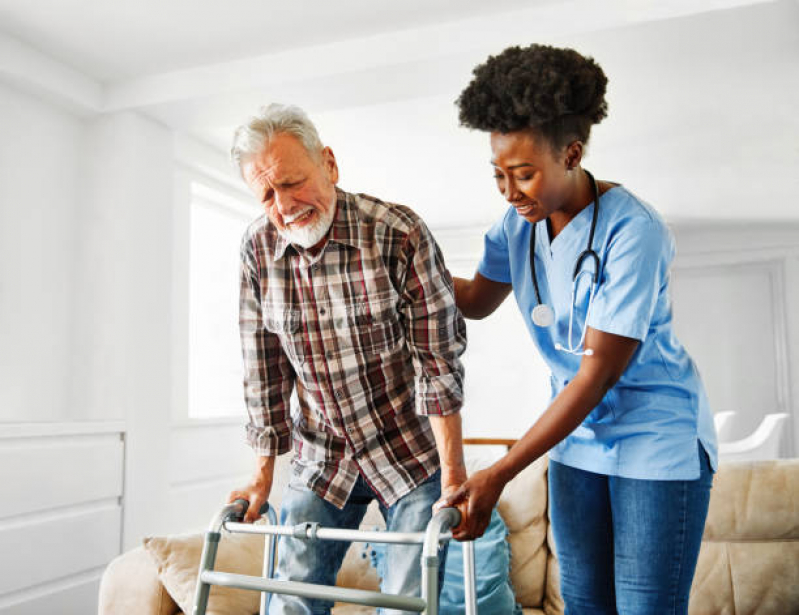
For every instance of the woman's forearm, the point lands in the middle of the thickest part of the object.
(565, 413)
(598, 373)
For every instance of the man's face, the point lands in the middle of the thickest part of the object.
(296, 188)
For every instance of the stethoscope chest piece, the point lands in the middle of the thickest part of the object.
(542, 315)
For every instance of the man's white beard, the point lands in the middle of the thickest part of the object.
(308, 236)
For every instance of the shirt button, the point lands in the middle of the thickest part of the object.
(322, 311)
(339, 394)
(329, 355)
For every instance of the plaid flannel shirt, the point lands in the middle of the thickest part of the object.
(368, 334)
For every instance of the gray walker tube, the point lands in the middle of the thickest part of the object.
(437, 533)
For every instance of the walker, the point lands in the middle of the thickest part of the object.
(437, 533)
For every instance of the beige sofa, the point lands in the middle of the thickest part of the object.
(748, 564)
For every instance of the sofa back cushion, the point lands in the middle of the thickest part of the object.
(523, 506)
(749, 561)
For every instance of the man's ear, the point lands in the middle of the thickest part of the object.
(330, 165)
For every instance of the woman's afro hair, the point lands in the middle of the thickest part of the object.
(530, 87)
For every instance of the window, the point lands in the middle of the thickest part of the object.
(215, 367)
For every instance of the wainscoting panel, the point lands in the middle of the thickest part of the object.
(208, 460)
(75, 596)
(60, 514)
(50, 472)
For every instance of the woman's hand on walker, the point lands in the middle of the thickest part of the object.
(475, 499)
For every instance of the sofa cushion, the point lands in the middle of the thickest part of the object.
(130, 586)
(553, 601)
(755, 501)
(750, 549)
(177, 559)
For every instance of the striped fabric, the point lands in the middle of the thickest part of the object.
(368, 334)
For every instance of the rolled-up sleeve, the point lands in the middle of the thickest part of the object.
(268, 375)
(434, 328)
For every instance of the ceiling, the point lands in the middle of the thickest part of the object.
(381, 77)
(112, 41)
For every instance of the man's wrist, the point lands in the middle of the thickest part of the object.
(453, 473)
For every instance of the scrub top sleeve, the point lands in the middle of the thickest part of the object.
(633, 272)
(495, 263)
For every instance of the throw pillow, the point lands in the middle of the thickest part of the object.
(177, 559)
(491, 567)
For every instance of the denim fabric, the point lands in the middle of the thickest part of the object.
(627, 546)
(318, 561)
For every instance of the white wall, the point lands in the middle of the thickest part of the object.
(702, 123)
(86, 248)
(40, 154)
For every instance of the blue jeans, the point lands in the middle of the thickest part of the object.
(627, 546)
(318, 561)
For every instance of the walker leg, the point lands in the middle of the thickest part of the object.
(469, 591)
(207, 561)
(270, 553)
(430, 565)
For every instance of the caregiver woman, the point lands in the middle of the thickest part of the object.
(629, 433)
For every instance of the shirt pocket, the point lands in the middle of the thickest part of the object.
(287, 325)
(377, 328)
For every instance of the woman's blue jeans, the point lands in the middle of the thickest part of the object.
(318, 561)
(624, 545)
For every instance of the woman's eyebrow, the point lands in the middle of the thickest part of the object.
(515, 166)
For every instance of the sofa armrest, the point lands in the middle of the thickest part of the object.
(130, 586)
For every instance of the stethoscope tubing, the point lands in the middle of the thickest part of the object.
(587, 253)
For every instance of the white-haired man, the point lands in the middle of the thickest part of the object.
(345, 299)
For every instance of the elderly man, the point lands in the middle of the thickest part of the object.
(346, 300)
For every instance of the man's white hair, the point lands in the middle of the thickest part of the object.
(251, 138)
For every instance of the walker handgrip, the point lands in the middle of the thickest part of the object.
(451, 517)
(238, 508)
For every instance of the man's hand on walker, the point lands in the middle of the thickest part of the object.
(258, 489)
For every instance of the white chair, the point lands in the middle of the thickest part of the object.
(722, 421)
(764, 443)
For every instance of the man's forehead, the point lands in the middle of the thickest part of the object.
(281, 156)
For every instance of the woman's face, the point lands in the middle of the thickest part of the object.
(530, 174)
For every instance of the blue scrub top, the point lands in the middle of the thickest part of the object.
(648, 424)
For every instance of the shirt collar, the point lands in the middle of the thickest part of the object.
(345, 228)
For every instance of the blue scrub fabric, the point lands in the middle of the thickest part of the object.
(627, 546)
(648, 424)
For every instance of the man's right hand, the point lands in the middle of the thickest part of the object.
(258, 489)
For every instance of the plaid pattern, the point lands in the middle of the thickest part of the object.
(368, 334)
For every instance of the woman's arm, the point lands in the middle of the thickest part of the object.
(597, 374)
(479, 297)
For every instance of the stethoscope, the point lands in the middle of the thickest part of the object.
(542, 314)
